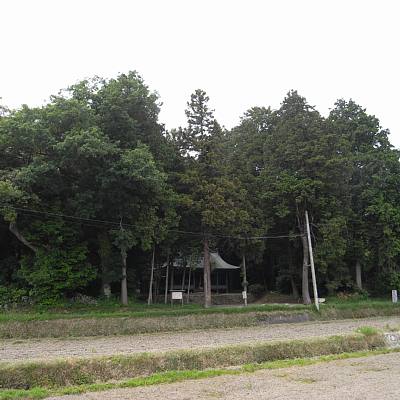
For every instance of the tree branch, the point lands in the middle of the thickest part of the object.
(14, 229)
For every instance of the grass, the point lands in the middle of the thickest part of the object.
(112, 309)
(111, 319)
(129, 325)
(177, 376)
(367, 330)
(72, 372)
(135, 311)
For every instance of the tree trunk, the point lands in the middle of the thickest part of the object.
(124, 283)
(295, 291)
(14, 229)
(207, 275)
(150, 297)
(306, 262)
(105, 250)
(166, 283)
(171, 284)
(183, 279)
(292, 272)
(188, 291)
(244, 283)
(358, 275)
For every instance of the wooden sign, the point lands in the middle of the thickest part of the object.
(177, 296)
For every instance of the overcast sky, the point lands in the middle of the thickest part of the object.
(243, 53)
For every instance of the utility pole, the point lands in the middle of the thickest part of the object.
(314, 281)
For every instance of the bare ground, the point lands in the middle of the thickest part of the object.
(370, 378)
(47, 349)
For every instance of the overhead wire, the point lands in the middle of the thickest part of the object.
(93, 221)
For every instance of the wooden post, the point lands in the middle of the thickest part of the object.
(124, 284)
(358, 275)
(207, 274)
(183, 278)
(166, 283)
(150, 298)
(171, 284)
(156, 287)
(244, 280)
(188, 291)
(314, 281)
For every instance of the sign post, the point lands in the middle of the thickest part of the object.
(394, 296)
(176, 296)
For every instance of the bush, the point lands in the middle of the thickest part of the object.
(359, 294)
(256, 290)
(387, 281)
(54, 273)
(10, 295)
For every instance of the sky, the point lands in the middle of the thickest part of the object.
(243, 53)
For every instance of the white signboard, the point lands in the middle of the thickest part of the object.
(244, 294)
(394, 296)
(177, 296)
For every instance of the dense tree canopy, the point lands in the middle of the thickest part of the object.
(91, 182)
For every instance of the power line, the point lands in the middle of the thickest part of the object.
(91, 221)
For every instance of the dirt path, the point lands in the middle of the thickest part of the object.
(369, 378)
(24, 350)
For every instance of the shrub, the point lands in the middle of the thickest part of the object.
(256, 290)
(359, 294)
(54, 273)
(367, 330)
(387, 281)
(10, 295)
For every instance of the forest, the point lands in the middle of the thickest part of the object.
(93, 188)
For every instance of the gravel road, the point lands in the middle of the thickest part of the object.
(40, 349)
(369, 378)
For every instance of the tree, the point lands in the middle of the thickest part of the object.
(301, 171)
(82, 155)
(373, 214)
(213, 200)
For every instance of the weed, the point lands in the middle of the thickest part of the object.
(367, 330)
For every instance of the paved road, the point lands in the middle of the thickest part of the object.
(35, 349)
(369, 378)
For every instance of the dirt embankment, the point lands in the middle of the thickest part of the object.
(370, 378)
(47, 349)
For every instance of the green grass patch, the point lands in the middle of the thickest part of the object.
(161, 318)
(136, 311)
(72, 372)
(177, 376)
(131, 326)
(367, 330)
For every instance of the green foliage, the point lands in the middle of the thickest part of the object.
(10, 195)
(256, 289)
(386, 282)
(55, 273)
(98, 155)
(11, 295)
(367, 330)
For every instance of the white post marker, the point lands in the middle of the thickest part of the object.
(244, 293)
(394, 296)
(314, 281)
(176, 296)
